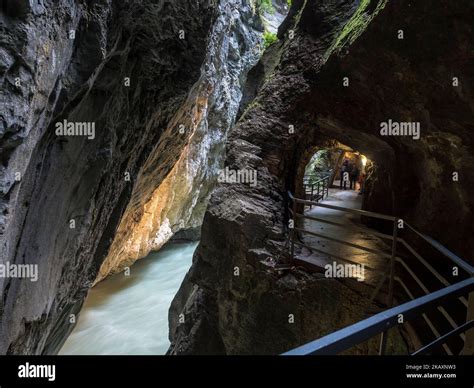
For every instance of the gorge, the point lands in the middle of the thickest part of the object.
(181, 93)
(128, 314)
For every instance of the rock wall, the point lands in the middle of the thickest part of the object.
(137, 71)
(179, 202)
(400, 58)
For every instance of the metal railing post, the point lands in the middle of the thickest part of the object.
(384, 336)
(312, 191)
(319, 190)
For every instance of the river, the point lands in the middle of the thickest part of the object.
(129, 315)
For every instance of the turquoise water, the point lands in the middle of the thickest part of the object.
(129, 315)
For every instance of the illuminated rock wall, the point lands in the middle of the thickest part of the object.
(180, 200)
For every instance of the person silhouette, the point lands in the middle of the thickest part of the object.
(344, 174)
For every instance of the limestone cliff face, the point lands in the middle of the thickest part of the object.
(137, 71)
(300, 82)
(156, 212)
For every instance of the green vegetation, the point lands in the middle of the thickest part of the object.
(265, 6)
(356, 25)
(269, 38)
(289, 2)
(320, 165)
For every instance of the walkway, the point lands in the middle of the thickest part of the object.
(337, 236)
(374, 265)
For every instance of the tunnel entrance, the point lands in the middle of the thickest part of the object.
(375, 254)
(330, 230)
(333, 166)
(338, 168)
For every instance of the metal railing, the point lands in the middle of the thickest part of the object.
(316, 190)
(364, 330)
(394, 261)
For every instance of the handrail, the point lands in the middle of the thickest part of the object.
(363, 330)
(352, 227)
(429, 267)
(443, 250)
(394, 259)
(319, 180)
(423, 315)
(318, 189)
(425, 290)
(343, 209)
(439, 341)
(339, 241)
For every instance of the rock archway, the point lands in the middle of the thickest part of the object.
(397, 59)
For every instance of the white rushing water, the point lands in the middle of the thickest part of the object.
(129, 315)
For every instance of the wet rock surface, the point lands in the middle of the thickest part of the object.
(161, 82)
(137, 70)
(157, 211)
(406, 80)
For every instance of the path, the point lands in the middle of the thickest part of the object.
(374, 265)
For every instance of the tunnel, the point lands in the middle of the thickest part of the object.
(236, 177)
